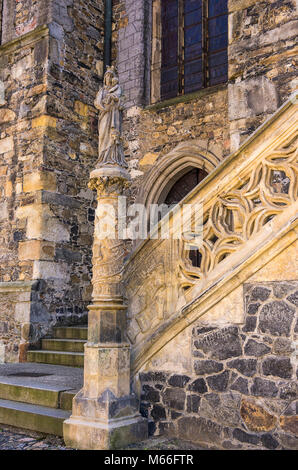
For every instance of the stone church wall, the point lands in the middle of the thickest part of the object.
(261, 77)
(48, 136)
(48, 145)
(241, 391)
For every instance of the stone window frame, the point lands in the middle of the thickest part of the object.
(156, 57)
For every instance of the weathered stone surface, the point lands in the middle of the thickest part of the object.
(150, 394)
(243, 436)
(256, 418)
(289, 424)
(253, 308)
(158, 412)
(250, 324)
(264, 388)
(221, 344)
(282, 346)
(260, 293)
(293, 298)
(246, 367)
(174, 398)
(193, 403)
(276, 318)
(269, 442)
(198, 386)
(240, 385)
(279, 367)
(288, 441)
(254, 348)
(207, 367)
(199, 429)
(219, 382)
(292, 409)
(288, 390)
(153, 376)
(281, 289)
(178, 380)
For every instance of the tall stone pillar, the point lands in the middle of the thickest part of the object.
(105, 414)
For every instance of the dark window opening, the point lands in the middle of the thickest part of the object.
(194, 45)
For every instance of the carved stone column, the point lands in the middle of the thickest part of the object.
(105, 414)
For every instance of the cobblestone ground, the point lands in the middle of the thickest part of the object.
(20, 439)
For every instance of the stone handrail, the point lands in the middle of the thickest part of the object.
(249, 203)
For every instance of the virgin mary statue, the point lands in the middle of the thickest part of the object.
(110, 151)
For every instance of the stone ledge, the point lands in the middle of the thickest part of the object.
(25, 40)
(186, 98)
(17, 286)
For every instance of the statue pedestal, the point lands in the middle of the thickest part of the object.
(105, 414)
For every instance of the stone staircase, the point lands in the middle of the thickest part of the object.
(65, 349)
(37, 395)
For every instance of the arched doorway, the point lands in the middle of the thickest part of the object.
(184, 185)
(178, 191)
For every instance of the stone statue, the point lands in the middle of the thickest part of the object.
(108, 102)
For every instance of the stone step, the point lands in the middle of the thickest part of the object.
(63, 345)
(33, 417)
(66, 399)
(71, 332)
(72, 359)
(42, 395)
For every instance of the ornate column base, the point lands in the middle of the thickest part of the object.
(90, 430)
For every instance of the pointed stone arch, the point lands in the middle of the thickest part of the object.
(171, 167)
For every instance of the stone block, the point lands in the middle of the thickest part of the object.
(36, 250)
(207, 367)
(243, 436)
(256, 418)
(219, 382)
(158, 412)
(221, 344)
(7, 115)
(264, 388)
(254, 348)
(289, 424)
(252, 97)
(81, 108)
(246, 367)
(276, 318)
(174, 398)
(6, 145)
(44, 121)
(39, 180)
(178, 380)
(269, 442)
(198, 386)
(240, 385)
(150, 394)
(193, 403)
(199, 430)
(278, 367)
